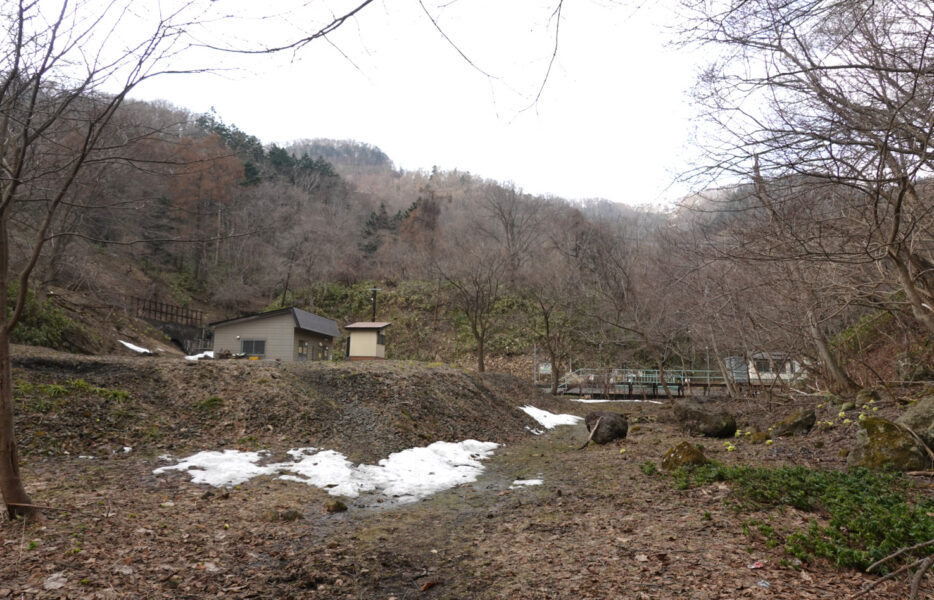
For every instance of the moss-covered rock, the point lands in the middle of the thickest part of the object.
(867, 396)
(881, 444)
(684, 454)
(798, 423)
(847, 406)
(759, 437)
(697, 419)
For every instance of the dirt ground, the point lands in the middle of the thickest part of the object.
(598, 526)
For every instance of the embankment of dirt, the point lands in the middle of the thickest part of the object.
(99, 405)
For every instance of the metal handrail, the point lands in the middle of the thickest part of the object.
(619, 377)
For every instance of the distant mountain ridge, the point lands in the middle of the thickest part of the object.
(349, 157)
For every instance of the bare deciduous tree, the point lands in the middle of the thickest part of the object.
(829, 98)
(63, 77)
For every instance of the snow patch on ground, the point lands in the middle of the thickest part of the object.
(135, 348)
(221, 468)
(550, 420)
(524, 483)
(408, 475)
(598, 401)
(207, 354)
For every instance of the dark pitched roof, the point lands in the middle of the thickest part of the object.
(316, 323)
(303, 320)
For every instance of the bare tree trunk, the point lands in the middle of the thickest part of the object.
(918, 307)
(730, 386)
(217, 242)
(555, 371)
(727, 381)
(838, 376)
(481, 367)
(17, 501)
(661, 370)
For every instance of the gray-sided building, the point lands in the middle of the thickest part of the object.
(289, 334)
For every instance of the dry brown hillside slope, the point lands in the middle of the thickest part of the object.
(89, 405)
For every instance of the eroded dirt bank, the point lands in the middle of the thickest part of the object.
(97, 405)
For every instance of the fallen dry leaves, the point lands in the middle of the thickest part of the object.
(597, 528)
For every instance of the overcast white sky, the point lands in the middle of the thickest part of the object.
(613, 120)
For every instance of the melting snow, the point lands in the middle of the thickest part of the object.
(208, 354)
(407, 475)
(525, 482)
(135, 348)
(550, 420)
(227, 467)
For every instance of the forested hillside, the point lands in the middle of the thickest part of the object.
(199, 213)
(815, 243)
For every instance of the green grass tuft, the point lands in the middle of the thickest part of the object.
(210, 404)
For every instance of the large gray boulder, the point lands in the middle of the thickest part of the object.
(612, 426)
(920, 418)
(881, 444)
(697, 419)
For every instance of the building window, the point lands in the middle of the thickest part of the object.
(303, 351)
(763, 366)
(253, 347)
(381, 338)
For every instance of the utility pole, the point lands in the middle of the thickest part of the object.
(707, 353)
(373, 301)
(534, 364)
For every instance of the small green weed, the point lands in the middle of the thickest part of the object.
(72, 386)
(110, 394)
(868, 515)
(648, 468)
(52, 390)
(79, 385)
(40, 405)
(212, 403)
